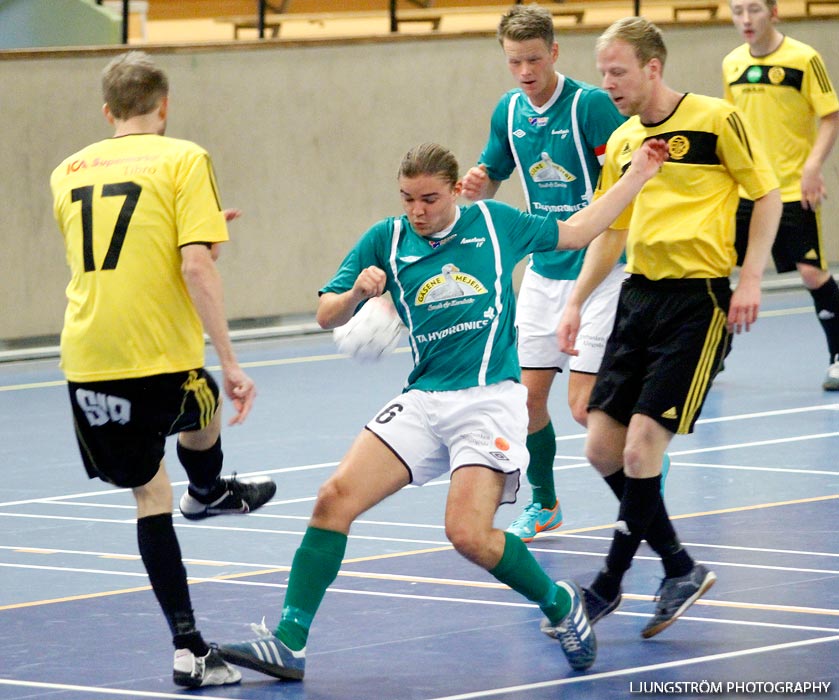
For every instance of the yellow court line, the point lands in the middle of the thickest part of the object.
(766, 607)
(758, 506)
(215, 368)
(71, 598)
(393, 555)
(444, 548)
(33, 385)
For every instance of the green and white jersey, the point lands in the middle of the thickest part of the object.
(558, 149)
(454, 293)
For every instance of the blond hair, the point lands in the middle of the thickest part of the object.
(641, 34)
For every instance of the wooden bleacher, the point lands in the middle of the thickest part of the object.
(433, 16)
(810, 4)
(274, 21)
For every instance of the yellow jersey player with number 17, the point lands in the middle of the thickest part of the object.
(140, 216)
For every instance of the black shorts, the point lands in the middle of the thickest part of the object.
(122, 425)
(669, 341)
(799, 238)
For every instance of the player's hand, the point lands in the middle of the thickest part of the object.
(567, 330)
(231, 214)
(745, 304)
(648, 159)
(813, 190)
(475, 183)
(370, 283)
(241, 391)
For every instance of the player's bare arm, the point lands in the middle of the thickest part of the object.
(205, 288)
(601, 257)
(336, 309)
(813, 190)
(745, 302)
(579, 230)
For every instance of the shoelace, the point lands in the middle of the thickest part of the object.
(260, 629)
(529, 512)
(569, 637)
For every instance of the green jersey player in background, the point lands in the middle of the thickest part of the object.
(553, 131)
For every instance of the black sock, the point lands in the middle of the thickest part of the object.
(641, 498)
(660, 536)
(826, 300)
(203, 468)
(161, 555)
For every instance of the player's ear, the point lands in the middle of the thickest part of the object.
(106, 110)
(163, 109)
(458, 188)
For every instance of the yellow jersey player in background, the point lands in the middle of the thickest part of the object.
(783, 88)
(140, 216)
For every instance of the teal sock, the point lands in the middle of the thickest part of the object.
(314, 568)
(521, 572)
(540, 472)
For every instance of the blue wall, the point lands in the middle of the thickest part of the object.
(51, 23)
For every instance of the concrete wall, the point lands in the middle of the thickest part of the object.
(306, 140)
(31, 23)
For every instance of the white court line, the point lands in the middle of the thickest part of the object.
(75, 570)
(258, 566)
(734, 467)
(792, 552)
(479, 694)
(755, 443)
(111, 491)
(576, 436)
(95, 689)
(638, 669)
(283, 470)
(515, 604)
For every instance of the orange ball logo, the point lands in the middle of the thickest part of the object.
(502, 444)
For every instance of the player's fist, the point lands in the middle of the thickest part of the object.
(475, 183)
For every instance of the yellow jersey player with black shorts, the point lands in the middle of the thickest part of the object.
(783, 88)
(140, 216)
(676, 310)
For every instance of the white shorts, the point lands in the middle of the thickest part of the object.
(437, 432)
(541, 302)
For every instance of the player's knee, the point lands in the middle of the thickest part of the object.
(467, 540)
(632, 459)
(579, 412)
(537, 411)
(598, 454)
(334, 509)
(813, 277)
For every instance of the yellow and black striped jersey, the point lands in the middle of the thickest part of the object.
(125, 206)
(681, 224)
(782, 95)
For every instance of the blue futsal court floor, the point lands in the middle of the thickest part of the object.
(754, 494)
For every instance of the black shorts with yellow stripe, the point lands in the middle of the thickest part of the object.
(122, 425)
(799, 238)
(669, 341)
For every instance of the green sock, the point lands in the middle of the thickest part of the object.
(314, 568)
(540, 472)
(521, 572)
